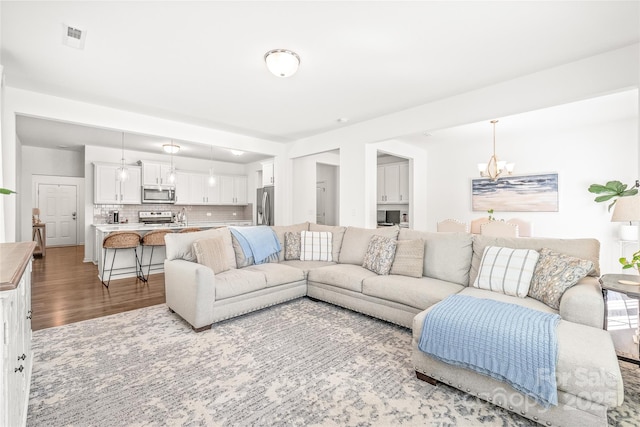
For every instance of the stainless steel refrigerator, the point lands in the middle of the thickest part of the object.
(264, 206)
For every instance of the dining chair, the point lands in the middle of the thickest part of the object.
(499, 229)
(525, 228)
(476, 223)
(449, 225)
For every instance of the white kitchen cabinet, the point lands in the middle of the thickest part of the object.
(233, 189)
(16, 362)
(192, 188)
(267, 174)
(155, 173)
(393, 183)
(109, 191)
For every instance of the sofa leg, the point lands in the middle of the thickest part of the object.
(426, 378)
(201, 329)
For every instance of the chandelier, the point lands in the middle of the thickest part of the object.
(495, 168)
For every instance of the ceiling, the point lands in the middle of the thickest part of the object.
(202, 62)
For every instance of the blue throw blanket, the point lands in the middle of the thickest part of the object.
(508, 342)
(260, 242)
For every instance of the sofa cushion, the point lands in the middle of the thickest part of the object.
(505, 270)
(241, 259)
(447, 256)
(356, 241)
(379, 255)
(281, 229)
(236, 282)
(316, 246)
(409, 258)
(180, 245)
(211, 253)
(292, 245)
(588, 249)
(306, 266)
(419, 293)
(554, 274)
(337, 236)
(278, 274)
(346, 276)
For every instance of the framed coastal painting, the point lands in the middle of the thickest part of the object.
(521, 193)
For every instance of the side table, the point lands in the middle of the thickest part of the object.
(628, 348)
(39, 235)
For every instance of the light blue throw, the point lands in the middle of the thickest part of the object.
(505, 341)
(260, 242)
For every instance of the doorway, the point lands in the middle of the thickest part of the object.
(327, 194)
(321, 194)
(58, 205)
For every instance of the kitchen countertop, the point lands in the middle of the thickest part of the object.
(137, 226)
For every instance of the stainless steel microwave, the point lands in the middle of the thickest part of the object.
(158, 195)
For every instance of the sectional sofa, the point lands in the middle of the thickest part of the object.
(427, 268)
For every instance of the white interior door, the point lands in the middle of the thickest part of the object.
(321, 194)
(58, 210)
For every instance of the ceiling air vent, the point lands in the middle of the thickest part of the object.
(73, 36)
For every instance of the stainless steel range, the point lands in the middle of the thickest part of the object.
(155, 217)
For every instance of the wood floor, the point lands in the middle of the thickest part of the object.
(67, 290)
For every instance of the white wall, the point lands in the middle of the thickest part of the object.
(305, 170)
(581, 156)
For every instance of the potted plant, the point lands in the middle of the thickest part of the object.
(634, 263)
(613, 191)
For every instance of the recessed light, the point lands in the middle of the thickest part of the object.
(343, 120)
(237, 152)
(427, 134)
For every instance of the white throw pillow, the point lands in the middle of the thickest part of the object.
(316, 246)
(505, 270)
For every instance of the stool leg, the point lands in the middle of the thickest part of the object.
(139, 270)
(150, 262)
(115, 251)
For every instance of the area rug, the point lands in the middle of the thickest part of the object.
(304, 363)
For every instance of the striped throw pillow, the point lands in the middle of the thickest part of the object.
(505, 270)
(316, 245)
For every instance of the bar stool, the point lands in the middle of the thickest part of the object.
(190, 230)
(119, 240)
(153, 238)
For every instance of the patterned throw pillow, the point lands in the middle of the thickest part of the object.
(316, 245)
(554, 274)
(409, 258)
(211, 253)
(380, 254)
(507, 271)
(292, 245)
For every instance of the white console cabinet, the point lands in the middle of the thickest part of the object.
(15, 311)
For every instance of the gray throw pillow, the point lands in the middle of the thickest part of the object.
(291, 245)
(409, 258)
(379, 255)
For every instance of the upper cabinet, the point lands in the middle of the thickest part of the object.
(267, 174)
(155, 173)
(233, 189)
(194, 188)
(108, 190)
(393, 183)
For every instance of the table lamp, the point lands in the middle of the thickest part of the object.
(627, 210)
(35, 216)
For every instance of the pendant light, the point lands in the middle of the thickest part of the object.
(122, 173)
(494, 168)
(171, 176)
(212, 177)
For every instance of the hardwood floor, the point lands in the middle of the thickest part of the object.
(67, 290)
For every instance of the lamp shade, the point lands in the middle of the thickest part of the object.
(35, 211)
(626, 209)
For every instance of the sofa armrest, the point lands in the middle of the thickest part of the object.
(190, 291)
(583, 303)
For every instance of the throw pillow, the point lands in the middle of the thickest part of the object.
(241, 259)
(315, 246)
(505, 270)
(554, 274)
(380, 254)
(211, 253)
(409, 258)
(291, 245)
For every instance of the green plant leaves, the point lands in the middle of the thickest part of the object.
(610, 190)
(6, 191)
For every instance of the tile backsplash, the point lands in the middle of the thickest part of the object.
(194, 213)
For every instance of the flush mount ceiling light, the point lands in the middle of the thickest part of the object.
(237, 152)
(282, 62)
(494, 168)
(170, 148)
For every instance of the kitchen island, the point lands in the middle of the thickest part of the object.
(124, 264)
